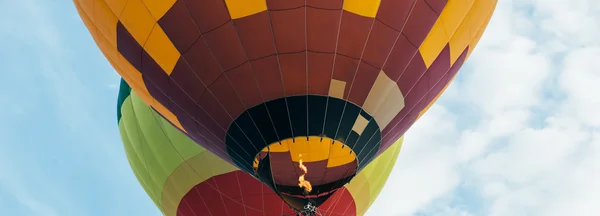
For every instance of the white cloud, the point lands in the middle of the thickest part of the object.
(579, 80)
(422, 171)
(533, 150)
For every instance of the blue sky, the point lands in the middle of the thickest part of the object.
(60, 150)
(517, 133)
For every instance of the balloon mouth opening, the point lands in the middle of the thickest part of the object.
(315, 196)
(309, 167)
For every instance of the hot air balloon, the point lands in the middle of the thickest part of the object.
(269, 85)
(184, 179)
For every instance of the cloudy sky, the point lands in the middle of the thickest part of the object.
(517, 133)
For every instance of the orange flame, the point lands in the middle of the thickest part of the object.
(304, 183)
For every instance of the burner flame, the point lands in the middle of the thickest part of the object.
(301, 182)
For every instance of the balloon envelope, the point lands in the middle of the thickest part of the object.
(264, 84)
(184, 179)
